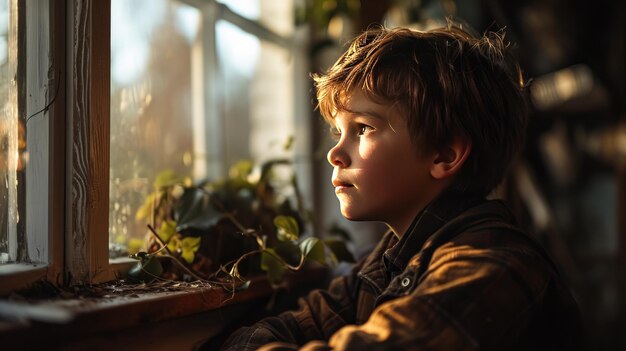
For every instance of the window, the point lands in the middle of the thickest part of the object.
(188, 85)
(195, 87)
(151, 106)
(8, 141)
(24, 135)
(51, 208)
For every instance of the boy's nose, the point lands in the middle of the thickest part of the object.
(337, 157)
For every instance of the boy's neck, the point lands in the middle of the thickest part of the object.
(400, 226)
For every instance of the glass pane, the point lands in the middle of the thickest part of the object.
(11, 140)
(278, 16)
(151, 123)
(160, 72)
(257, 85)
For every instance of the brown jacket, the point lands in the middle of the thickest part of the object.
(463, 277)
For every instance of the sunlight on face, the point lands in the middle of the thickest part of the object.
(378, 172)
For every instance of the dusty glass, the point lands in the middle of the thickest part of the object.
(183, 102)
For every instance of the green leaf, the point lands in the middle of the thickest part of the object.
(189, 246)
(287, 227)
(270, 264)
(339, 249)
(242, 286)
(167, 230)
(289, 251)
(146, 209)
(196, 211)
(174, 244)
(146, 270)
(241, 170)
(166, 178)
(312, 248)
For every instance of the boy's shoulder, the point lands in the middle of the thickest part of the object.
(486, 238)
(487, 227)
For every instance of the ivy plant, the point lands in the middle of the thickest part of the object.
(263, 214)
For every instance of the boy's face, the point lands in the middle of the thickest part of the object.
(378, 175)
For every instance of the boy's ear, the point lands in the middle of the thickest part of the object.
(449, 160)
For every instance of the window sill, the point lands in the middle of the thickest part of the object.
(153, 320)
(19, 275)
(178, 319)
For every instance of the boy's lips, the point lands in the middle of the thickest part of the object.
(341, 185)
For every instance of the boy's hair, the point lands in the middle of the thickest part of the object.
(447, 84)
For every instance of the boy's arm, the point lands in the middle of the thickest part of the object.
(320, 314)
(470, 298)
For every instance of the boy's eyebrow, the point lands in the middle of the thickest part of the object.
(369, 113)
(376, 115)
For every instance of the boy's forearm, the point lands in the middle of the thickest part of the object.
(272, 329)
(293, 328)
(320, 314)
(454, 308)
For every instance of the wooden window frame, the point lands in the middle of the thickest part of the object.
(88, 135)
(43, 110)
(70, 76)
(68, 173)
(72, 81)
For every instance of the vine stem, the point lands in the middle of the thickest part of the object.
(158, 238)
(235, 263)
(171, 255)
(238, 261)
(240, 227)
(290, 267)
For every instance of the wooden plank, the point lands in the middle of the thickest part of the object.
(18, 276)
(89, 96)
(37, 127)
(57, 144)
(68, 321)
(170, 334)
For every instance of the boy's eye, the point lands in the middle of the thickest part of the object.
(335, 133)
(364, 128)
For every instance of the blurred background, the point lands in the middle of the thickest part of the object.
(569, 188)
(197, 85)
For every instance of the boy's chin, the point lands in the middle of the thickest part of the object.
(354, 216)
(348, 215)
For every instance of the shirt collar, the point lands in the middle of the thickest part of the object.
(442, 209)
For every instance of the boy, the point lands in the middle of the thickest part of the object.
(427, 123)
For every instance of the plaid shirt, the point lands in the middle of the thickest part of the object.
(463, 277)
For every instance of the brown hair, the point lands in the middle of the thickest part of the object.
(447, 83)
